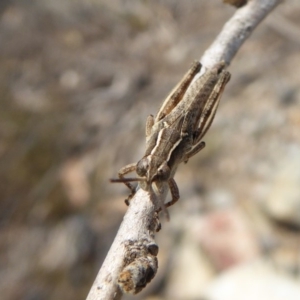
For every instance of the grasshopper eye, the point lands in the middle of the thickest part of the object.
(142, 167)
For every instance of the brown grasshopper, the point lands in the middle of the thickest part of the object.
(157, 137)
(175, 134)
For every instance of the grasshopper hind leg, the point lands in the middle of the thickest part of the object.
(125, 170)
(195, 149)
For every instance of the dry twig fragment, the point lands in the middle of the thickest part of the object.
(236, 3)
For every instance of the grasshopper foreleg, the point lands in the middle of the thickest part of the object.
(149, 125)
(174, 192)
(125, 170)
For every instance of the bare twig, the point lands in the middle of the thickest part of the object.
(236, 31)
(138, 226)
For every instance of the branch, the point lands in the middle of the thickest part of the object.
(131, 260)
(134, 247)
(236, 31)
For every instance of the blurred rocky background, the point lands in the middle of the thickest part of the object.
(77, 81)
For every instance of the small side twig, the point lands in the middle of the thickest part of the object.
(134, 268)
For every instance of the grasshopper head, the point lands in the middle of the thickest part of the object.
(149, 169)
(153, 169)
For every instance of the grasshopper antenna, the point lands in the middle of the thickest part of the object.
(114, 180)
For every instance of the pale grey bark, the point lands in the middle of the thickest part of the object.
(236, 31)
(138, 223)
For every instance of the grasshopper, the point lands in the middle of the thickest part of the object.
(175, 134)
(155, 137)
